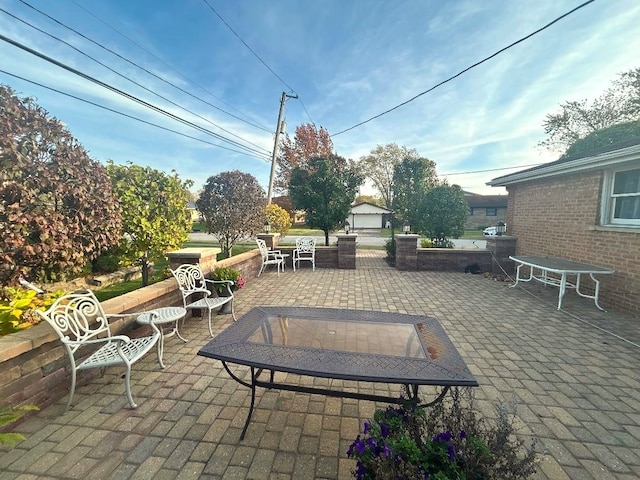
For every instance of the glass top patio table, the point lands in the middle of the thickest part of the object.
(342, 344)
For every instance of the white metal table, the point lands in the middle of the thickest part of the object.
(541, 267)
(161, 317)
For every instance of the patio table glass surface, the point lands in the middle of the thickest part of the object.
(343, 344)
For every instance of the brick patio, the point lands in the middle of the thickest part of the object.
(577, 388)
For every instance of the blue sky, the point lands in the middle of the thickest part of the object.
(347, 60)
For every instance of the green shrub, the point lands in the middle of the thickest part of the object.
(17, 305)
(106, 263)
(390, 247)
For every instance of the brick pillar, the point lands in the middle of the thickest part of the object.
(501, 247)
(347, 250)
(205, 257)
(271, 239)
(407, 251)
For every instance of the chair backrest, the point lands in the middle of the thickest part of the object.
(306, 244)
(262, 246)
(190, 279)
(77, 316)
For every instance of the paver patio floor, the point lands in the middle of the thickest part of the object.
(574, 376)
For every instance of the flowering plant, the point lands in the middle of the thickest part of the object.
(445, 441)
(227, 273)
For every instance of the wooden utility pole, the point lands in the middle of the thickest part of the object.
(279, 129)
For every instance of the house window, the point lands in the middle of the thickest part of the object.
(492, 212)
(622, 201)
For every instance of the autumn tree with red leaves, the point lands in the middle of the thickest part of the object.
(57, 210)
(309, 142)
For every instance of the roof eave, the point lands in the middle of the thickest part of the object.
(603, 160)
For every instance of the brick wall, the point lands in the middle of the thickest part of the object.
(452, 260)
(559, 217)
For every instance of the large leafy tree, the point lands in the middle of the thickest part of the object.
(309, 142)
(616, 136)
(443, 212)
(576, 119)
(57, 209)
(154, 212)
(380, 164)
(412, 179)
(233, 206)
(325, 191)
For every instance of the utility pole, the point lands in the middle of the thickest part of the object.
(279, 129)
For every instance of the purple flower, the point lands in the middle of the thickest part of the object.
(451, 451)
(386, 451)
(360, 471)
(463, 435)
(384, 430)
(367, 426)
(371, 443)
(442, 437)
(359, 446)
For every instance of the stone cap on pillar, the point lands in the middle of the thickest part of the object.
(194, 256)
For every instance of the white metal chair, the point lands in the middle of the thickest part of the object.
(196, 294)
(305, 250)
(269, 257)
(79, 321)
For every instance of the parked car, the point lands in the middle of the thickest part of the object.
(491, 231)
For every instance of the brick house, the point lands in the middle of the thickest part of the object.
(584, 209)
(485, 210)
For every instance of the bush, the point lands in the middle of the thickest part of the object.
(106, 263)
(390, 247)
(17, 305)
(447, 440)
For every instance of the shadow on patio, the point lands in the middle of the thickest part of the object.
(572, 374)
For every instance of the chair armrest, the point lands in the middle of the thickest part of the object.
(95, 341)
(230, 282)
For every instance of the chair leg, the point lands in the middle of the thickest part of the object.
(72, 390)
(127, 384)
(210, 329)
(233, 310)
(261, 270)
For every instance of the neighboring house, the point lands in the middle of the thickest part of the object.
(195, 216)
(583, 209)
(485, 210)
(367, 215)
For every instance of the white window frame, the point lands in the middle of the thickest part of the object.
(608, 200)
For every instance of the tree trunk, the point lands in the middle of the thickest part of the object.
(326, 238)
(145, 271)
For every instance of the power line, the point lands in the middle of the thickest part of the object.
(144, 69)
(122, 93)
(489, 170)
(129, 116)
(247, 45)
(306, 111)
(136, 83)
(260, 59)
(468, 68)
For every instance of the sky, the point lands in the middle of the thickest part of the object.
(347, 61)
